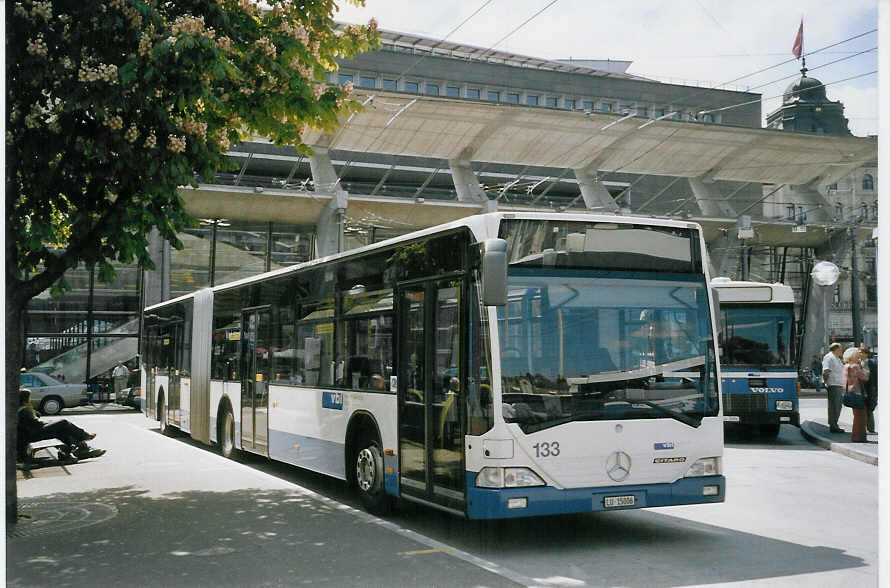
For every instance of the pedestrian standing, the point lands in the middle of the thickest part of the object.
(833, 378)
(120, 375)
(854, 376)
(871, 386)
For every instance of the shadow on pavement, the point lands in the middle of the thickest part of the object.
(250, 537)
(789, 438)
(627, 548)
(639, 548)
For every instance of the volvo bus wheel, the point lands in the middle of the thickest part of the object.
(226, 434)
(369, 478)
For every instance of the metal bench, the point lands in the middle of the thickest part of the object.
(62, 450)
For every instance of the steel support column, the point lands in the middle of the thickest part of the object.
(329, 229)
(596, 196)
(854, 290)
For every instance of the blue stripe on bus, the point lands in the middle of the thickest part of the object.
(315, 454)
(485, 503)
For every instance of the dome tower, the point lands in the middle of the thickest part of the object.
(806, 107)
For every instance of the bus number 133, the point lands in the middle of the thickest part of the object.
(546, 449)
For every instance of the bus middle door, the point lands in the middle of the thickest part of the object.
(255, 362)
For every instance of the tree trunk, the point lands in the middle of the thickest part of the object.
(18, 293)
(15, 346)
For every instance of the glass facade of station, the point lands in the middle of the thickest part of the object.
(80, 335)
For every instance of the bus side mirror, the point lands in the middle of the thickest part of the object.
(494, 272)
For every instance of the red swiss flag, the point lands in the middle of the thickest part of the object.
(797, 48)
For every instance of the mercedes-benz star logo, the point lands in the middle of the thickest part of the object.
(618, 465)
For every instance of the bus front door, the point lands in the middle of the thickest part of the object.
(255, 381)
(430, 392)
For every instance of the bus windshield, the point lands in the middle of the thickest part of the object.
(581, 345)
(756, 334)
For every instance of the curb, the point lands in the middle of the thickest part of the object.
(104, 408)
(842, 448)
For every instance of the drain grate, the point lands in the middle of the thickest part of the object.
(45, 518)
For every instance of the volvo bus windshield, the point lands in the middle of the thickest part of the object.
(756, 334)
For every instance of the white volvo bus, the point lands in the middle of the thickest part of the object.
(501, 365)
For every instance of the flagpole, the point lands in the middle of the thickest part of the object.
(797, 48)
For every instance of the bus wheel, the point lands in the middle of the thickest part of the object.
(226, 434)
(771, 431)
(369, 478)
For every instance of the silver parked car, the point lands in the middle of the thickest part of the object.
(49, 395)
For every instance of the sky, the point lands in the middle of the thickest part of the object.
(695, 42)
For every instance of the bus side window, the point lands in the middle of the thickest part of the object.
(284, 346)
(232, 355)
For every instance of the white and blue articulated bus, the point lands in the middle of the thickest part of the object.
(757, 356)
(502, 365)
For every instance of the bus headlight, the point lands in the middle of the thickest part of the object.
(706, 466)
(784, 405)
(490, 477)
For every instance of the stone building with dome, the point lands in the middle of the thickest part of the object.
(806, 108)
(846, 201)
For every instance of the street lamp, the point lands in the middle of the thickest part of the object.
(825, 273)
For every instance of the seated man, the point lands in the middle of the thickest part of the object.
(30, 429)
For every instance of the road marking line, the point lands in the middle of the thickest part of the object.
(426, 551)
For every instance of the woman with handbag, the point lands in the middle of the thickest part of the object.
(854, 375)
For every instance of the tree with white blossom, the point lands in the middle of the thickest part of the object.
(112, 106)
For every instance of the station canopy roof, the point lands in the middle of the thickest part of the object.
(451, 128)
(428, 131)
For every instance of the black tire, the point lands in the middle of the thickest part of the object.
(367, 463)
(225, 434)
(51, 406)
(771, 431)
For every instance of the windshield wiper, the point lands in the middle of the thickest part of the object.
(682, 417)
